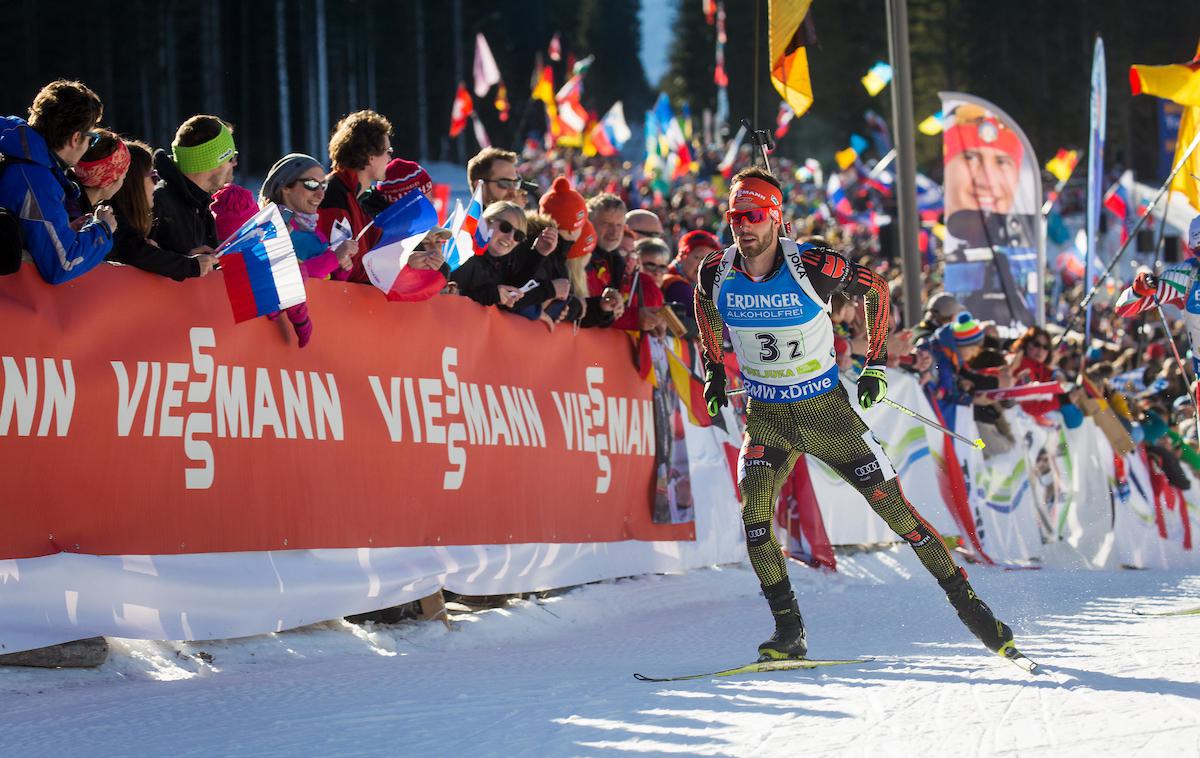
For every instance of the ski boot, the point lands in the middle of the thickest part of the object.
(788, 640)
(976, 615)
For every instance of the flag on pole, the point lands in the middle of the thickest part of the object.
(783, 119)
(877, 78)
(1098, 112)
(461, 110)
(846, 158)
(485, 70)
(1179, 83)
(791, 31)
(260, 269)
(726, 164)
(1116, 202)
(403, 225)
(469, 233)
(1062, 165)
(480, 133)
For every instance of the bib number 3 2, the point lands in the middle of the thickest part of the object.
(768, 348)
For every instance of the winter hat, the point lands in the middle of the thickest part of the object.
(694, 239)
(402, 177)
(1194, 235)
(565, 206)
(286, 170)
(943, 305)
(586, 242)
(967, 331)
(231, 207)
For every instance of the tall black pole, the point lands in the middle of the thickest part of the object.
(906, 162)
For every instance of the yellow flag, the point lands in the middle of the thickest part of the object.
(1179, 83)
(932, 126)
(1184, 182)
(789, 59)
(1062, 164)
(846, 158)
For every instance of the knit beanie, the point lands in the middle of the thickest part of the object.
(967, 330)
(586, 242)
(402, 177)
(286, 170)
(565, 206)
(231, 207)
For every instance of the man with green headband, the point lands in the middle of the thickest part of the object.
(201, 161)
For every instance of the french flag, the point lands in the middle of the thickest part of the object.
(469, 233)
(404, 225)
(260, 269)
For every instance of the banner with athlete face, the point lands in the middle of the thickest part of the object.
(995, 248)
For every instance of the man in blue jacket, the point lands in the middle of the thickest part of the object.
(34, 184)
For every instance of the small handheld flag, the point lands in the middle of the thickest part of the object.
(404, 225)
(260, 269)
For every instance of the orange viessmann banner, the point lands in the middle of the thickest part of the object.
(137, 418)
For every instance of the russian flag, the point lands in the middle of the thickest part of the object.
(838, 202)
(404, 224)
(469, 233)
(260, 269)
(1116, 200)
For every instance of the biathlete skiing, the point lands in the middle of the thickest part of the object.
(773, 295)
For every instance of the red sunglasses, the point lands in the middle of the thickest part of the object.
(756, 216)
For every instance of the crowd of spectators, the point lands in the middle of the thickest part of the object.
(589, 241)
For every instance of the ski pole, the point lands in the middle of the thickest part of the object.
(930, 422)
(1182, 371)
(908, 411)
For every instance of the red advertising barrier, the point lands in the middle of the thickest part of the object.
(136, 418)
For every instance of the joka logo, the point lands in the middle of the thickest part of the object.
(862, 471)
(754, 452)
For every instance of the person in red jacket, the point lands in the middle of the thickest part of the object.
(1030, 361)
(360, 149)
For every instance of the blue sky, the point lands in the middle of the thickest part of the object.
(657, 18)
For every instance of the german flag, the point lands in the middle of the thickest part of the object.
(791, 33)
(1179, 83)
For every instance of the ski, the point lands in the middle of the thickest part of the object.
(1022, 661)
(756, 667)
(1181, 612)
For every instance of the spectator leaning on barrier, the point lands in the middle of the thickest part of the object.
(939, 311)
(606, 267)
(101, 171)
(360, 148)
(954, 345)
(495, 278)
(497, 169)
(399, 178)
(297, 185)
(201, 161)
(34, 185)
(1029, 358)
(132, 205)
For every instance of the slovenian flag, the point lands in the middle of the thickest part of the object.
(260, 269)
(469, 233)
(404, 224)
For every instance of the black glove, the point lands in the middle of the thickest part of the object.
(714, 388)
(872, 386)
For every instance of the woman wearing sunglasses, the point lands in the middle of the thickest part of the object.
(1030, 361)
(296, 183)
(133, 204)
(494, 278)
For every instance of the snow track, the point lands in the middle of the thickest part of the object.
(554, 678)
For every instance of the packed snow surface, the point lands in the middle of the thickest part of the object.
(554, 677)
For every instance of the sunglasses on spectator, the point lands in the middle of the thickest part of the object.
(93, 138)
(312, 185)
(640, 233)
(507, 184)
(755, 216)
(504, 227)
(154, 177)
(650, 266)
